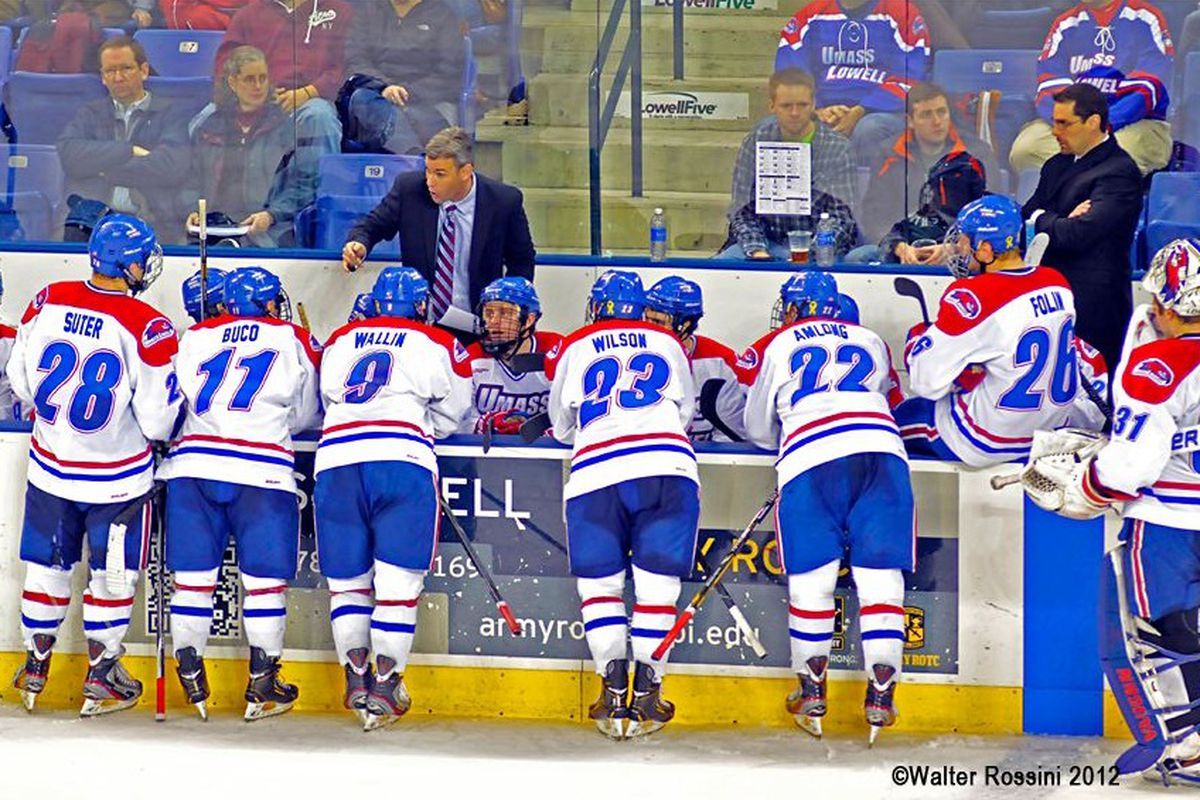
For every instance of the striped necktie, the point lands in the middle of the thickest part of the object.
(443, 278)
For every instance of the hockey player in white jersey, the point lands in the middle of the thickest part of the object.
(1150, 637)
(391, 386)
(10, 408)
(503, 397)
(212, 299)
(677, 304)
(818, 395)
(1000, 360)
(250, 382)
(622, 393)
(96, 366)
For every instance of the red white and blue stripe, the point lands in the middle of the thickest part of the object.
(90, 470)
(631, 445)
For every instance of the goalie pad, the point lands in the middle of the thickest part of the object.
(1056, 477)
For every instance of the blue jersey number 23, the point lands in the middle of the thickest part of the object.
(650, 372)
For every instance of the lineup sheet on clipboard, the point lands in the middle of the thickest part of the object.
(783, 178)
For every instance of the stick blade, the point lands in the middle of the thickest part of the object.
(535, 427)
(527, 362)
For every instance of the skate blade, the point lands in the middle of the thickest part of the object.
(613, 728)
(97, 708)
(810, 725)
(257, 711)
(638, 729)
(374, 722)
(202, 710)
(873, 735)
(29, 700)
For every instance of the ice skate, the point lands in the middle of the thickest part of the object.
(193, 678)
(611, 709)
(31, 678)
(266, 695)
(359, 680)
(880, 705)
(648, 711)
(807, 703)
(108, 687)
(388, 699)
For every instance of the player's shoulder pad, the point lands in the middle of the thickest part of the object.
(475, 351)
(968, 302)
(1092, 357)
(309, 343)
(544, 341)
(48, 293)
(1156, 369)
(460, 359)
(750, 361)
(711, 348)
(7, 332)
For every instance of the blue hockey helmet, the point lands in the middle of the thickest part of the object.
(504, 332)
(120, 241)
(994, 219)
(215, 294)
(617, 295)
(249, 289)
(680, 299)
(847, 308)
(400, 292)
(813, 294)
(364, 307)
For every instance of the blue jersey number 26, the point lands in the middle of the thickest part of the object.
(650, 374)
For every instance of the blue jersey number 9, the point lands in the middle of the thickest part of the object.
(650, 375)
(368, 375)
(91, 403)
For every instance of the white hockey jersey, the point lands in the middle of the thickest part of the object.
(10, 407)
(820, 390)
(1094, 370)
(96, 366)
(1020, 327)
(1152, 456)
(249, 384)
(719, 390)
(390, 388)
(497, 388)
(621, 391)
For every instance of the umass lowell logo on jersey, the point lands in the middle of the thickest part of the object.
(965, 302)
(157, 330)
(1156, 370)
(492, 397)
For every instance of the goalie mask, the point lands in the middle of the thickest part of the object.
(510, 310)
(1174, 277)
(676, 304)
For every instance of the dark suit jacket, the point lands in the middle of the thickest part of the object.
(500, 240)
(1092, 251)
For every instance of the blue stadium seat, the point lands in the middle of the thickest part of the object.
(6, 53)
(1027, 183)
(1015, 28)
(41, 104)
(1009, 71)
(333, 216)
(181, 53)
(32, 186)
(1173, 210)
(348, 186)
(188, 95)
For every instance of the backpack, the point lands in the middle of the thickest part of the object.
(955, 180)
(66, 45)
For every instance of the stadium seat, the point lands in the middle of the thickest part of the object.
(41, 104)
(188, 95)
(1011, 72)
(6, 53)
(1173, 209)
(1190, 107)
(32, 188)
(1027, 183)
(181, 53)
(348, 186)
(332, 216)
(1015, 28)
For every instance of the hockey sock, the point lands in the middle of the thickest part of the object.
(1179, 683)
(106, 614)
(881, 615)
(653, 615)
(192, 609)
(351, 601)
(264, 613)
(394, 621)
(602, 604)
(44, 601)
(811, 613)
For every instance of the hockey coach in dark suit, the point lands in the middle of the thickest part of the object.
(1088, 200)
(459, 229)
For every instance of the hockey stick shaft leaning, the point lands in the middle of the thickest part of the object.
(303, 317)
(742, 623)
(160, 614)
(202, 208)
(702, 594)
(501, 604)
(907, 287)
(1000, 481)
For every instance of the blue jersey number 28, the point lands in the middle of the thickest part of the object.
(91, 404)
(650, 375)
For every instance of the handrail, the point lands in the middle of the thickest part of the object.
(600, 121)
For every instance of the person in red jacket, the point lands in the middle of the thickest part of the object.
(202, 15)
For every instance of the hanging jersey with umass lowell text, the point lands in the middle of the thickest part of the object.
(621, 391)
(1125, 51)
(96, 366)
(1020, 327)
(390, 387)
(1154, 450)
(497, 388)
(10, 407)
(718, 382)
(250, 383)
(820, 390)
(869, 59)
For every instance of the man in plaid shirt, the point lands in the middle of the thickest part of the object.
(833, 174)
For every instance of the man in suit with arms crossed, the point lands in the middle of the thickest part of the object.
(459, 229)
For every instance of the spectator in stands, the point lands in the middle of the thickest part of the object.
(902, 169)
(793, 119)
(414, 52)
(205, 15)
(252, 165)
(128, 150)
(305, 45)
(1123, 48)
(865, 55)
(1088, 200)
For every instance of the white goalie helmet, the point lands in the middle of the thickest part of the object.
(1174, 277)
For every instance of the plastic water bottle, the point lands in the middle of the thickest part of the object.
(658, 236)
(825, 241)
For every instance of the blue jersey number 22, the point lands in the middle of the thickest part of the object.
(651, 373)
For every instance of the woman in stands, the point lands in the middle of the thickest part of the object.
(251, 167)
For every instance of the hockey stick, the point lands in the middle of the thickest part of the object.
(202, 206)
(535, 427)
(708, 407)
(713, 579)
(303, 317)
(739, 618)
(998, 482)
(527, 362)
(501, 604)
(907, 287)
(160, 613)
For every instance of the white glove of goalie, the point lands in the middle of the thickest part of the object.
(1058, 465)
